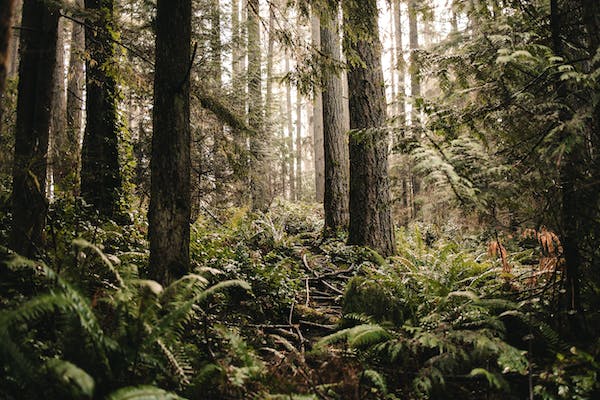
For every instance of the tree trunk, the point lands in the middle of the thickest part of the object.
(75, 93)
(219, 140)
(334, 134)
(415, 76)
(6, 13)
(269, 102)
(370, 208)
(258, 140)
(59, 165)
(13, 61)
(298, 145)
(317, 119)
(572, 220)
(290, 129)
(400, 63)
(170, 201)
(100, 170)
(36, 76)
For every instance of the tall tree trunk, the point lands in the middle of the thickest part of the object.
(290, 130)
(219, 140)
(100, 170)
(298, 145)
(415, 92)
(400, 63)
(36, 80)
(572, 223)
(258, 142)
(170, 201)
(415, 76)
(75, 93)
(269, 102)
(6, 13)
(334, 134)
(59, 165)
(317, 120)
(13, 60)
(370, 208)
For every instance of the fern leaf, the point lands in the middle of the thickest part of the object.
(376, 379)
(84, 244)
(143, 393)
(79, 383)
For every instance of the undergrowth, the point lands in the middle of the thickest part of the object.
(447, 317)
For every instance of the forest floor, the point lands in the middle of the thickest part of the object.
(274, 310)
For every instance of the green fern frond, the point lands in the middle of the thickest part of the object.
(83, 245)
(143, 393)
(358, 336)
(367, 335)
(171, 323)
(179, 366)
(376, 379)
(78, 382)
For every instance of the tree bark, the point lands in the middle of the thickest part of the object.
(59, 165)
(170, 201)
(415, 76)
(400, 63)
(219, 140)
(572, 218)
(13, 52)
(290, 128)
(370, 208)
(100, 170)
(298, 196)
(317, 119)
(6, 13)
(36, 76)
(258, 140)
(75, 93)
(335, 141)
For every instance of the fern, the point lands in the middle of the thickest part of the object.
(143, 393)
(77, 381)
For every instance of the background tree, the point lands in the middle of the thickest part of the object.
(6, 13)
(370, 209)
(75, 95)
(101, 182)
(170, 208)
(38, 57)
(258, 140)
(334, 127)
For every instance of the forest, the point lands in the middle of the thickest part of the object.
(300, 199)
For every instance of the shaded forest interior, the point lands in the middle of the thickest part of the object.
(300, 199)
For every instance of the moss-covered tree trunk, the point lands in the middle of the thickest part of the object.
(75, 95)
(36, 73)
(258, 141)
(334, 130)
(370, 209)
(100, 170)
(170, 198)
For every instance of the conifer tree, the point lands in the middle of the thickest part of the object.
(370, 211)
(170, 202)
(36, 80)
